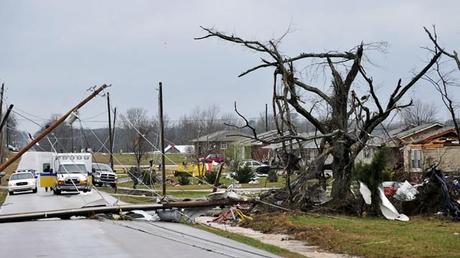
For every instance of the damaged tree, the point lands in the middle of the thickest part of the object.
(351, 118)
(442, 80)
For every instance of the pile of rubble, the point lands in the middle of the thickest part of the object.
(437, 194)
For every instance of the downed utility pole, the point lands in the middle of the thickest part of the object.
(91, 211)
(51, 128)
(162, 139)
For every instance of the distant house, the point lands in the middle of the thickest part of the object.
(440, 147)
(183, 149)
(249, 148)
(217, 142)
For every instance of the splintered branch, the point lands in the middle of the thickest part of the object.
(434, 38)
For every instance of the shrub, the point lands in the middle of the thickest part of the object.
(272, 176)
(210, 177)
(148, 178)
(183, 180)
(244, 175)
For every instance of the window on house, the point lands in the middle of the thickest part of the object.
(223, 146)
(416, 158)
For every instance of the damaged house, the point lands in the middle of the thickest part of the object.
(440, 147)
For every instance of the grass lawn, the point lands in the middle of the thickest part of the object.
(249, 241)
(368, 237)
(128, 159)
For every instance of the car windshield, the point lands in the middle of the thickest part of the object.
(101, 167)
(72, 168)
(19, 176)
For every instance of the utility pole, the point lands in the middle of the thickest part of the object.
(114, 123)
(110, 132)
(5, 118)
(1, 117)
(266, 118)
(53, 126)
(71, 138)
(5, 122)
(162, 139)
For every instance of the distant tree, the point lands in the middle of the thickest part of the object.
(137, 128)
(419, 113)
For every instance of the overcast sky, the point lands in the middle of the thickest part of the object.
(52, 51)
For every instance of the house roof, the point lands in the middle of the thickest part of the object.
(222, 136)
(448, 134)
(417, 129)
(181, 148)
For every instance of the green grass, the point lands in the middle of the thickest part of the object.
(129, 159)
(368, 237)
(249, 241)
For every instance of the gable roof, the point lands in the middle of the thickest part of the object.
(181, 148)
(417, 129)
(448, 133)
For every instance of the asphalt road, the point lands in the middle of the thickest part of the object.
(42, 201)
(105, 238)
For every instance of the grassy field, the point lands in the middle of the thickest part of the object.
(250, 241)
(368, 237)
(129, 159)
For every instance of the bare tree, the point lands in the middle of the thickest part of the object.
(137, 128)
(443, 78)
(419, 113)
(352, 118)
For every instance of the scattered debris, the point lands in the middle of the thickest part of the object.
(388, 210)
(405, 192)
(365, 192)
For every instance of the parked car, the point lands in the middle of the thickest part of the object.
(22, 181)
(103, 175)
(219, 158)
(256, 166)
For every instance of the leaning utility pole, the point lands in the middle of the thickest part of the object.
(162, 139)
(5, 118)
(53, 126)
(110, 132)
